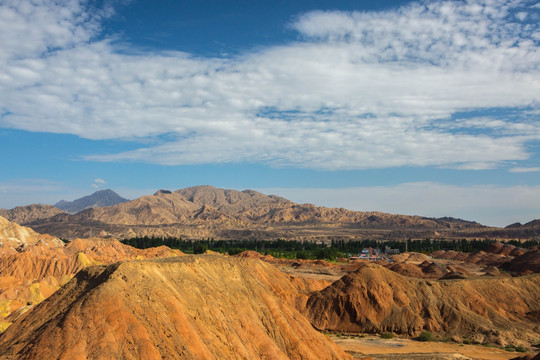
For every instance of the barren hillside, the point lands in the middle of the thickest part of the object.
(33, 266)
(192, 307)
(375, 299)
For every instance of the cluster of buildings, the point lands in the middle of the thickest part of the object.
(375, 254)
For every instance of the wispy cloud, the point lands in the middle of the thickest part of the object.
(98, 182)
(524, 169)
(30, 191)
(29, 185)
(360, 90)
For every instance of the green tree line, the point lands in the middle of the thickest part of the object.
(293, 249)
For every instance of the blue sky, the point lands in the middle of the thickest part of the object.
(429, 108)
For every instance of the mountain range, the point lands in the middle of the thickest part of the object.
(205, 211)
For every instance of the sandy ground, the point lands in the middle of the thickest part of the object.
(377, 348)
(313, 273)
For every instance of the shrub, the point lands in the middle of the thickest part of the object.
(387, 336)
(425, 336)
(235, 251)
(199, 248)
(445, 339)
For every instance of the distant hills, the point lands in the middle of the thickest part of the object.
(205, 211)
(98, 199)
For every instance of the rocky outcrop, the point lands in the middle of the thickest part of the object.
(14, 238)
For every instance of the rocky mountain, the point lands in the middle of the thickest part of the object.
(100, 198)
(205, 211)
(375, 299)
(190, 307)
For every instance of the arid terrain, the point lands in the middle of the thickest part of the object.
(98, 298)
(33, 266)
(204, 211)
(373, 347)
(190, 307)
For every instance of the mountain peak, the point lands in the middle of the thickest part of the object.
(100, 198)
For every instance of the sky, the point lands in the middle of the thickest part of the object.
(425, 108)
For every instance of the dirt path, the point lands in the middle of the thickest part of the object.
(377, 348)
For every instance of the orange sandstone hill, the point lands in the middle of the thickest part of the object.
(190, 307)
(205, 211)
(375, 299)
(33, 266)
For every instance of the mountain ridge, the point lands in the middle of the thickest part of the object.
(206, 211)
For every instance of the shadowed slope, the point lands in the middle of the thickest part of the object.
(374, 299)
(192, 307)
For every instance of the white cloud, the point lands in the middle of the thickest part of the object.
(98, 182)
(524, 169)
(32, 28)
(363, 90)
(488, 204)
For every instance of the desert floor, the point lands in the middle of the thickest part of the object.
(377, 348)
